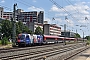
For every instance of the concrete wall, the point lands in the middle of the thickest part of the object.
(46, 29)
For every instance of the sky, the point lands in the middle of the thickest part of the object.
(74, 13)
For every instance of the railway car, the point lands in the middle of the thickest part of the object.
(52, 39)
(67, 39)
(24, 39)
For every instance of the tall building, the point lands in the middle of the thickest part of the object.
(1, 12)
(51, 29)
(27, 17)
(41, 17)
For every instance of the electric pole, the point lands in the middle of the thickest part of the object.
(65, 33)
(14, 26)
(83, 36)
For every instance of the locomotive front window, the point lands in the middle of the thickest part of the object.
(21, 37)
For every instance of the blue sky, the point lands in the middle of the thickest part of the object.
(75, 11)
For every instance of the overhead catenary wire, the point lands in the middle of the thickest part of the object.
(24, 2)
(75, 9)
(29, 5)
(63, 9)
(7, 8)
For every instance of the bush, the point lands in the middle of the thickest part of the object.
(88, 42)
(4, 41)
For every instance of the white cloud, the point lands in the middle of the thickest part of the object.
(58, 20)
(83, 21)
(33, 8)
(48, 19)
(88, 2)
(34, 1)
(79, 11)
(70, 22)
(2, 1)
(55, 8)
(83, 2)
(61, 14)
(51, 21)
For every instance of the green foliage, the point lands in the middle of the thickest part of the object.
(77, 35)
(87, 37)
(20, 28)
(4, 41)
(6, 28)
(38, 31)
(88, 42)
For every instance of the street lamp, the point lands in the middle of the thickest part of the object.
(83, 34)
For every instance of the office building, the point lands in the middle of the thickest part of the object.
(41, 17)
(51, 29)
(68, 34)
(27, 17)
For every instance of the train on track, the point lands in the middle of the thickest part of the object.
(27, 39)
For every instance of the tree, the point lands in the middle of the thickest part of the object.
(77, 35)
(21, 28)
(6, 28)
(4, 41)
(38, 31)
(87, 37)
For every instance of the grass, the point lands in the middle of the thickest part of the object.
(8, 43)
(6, 46)
(88, 42)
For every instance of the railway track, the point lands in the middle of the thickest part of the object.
(5, 50)
(39, 53)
